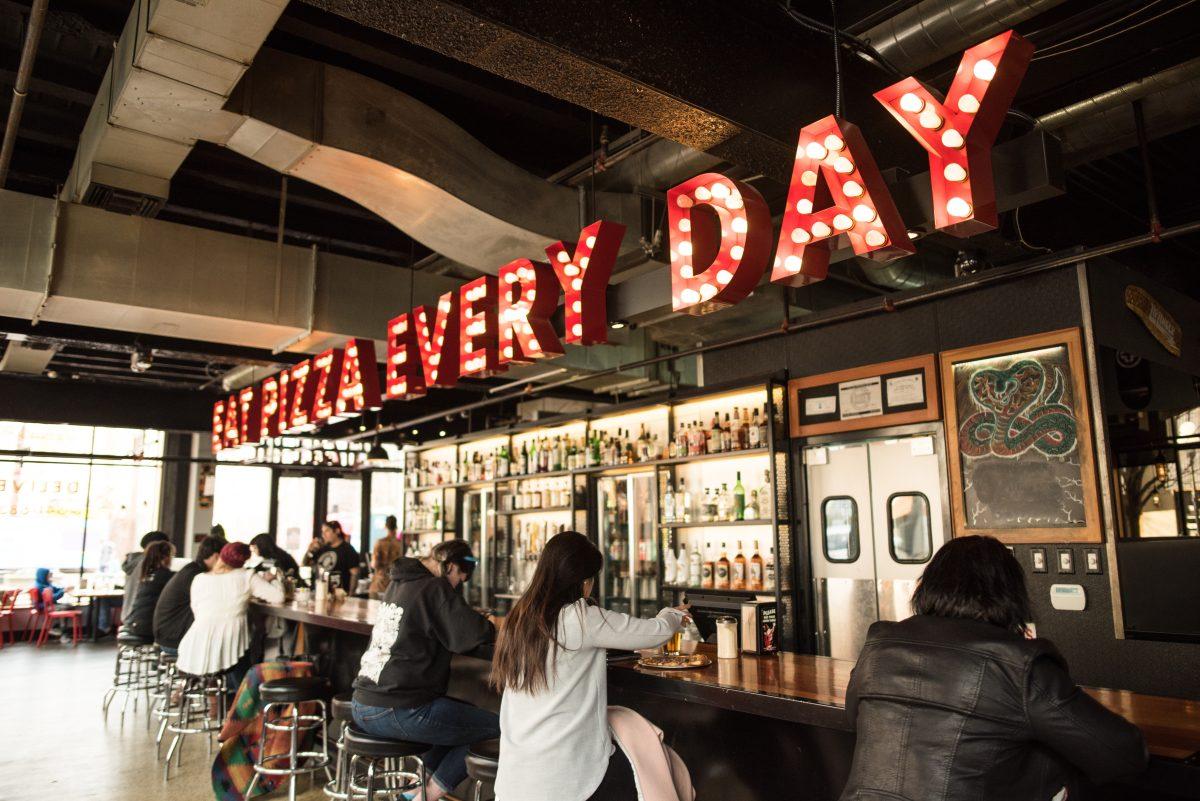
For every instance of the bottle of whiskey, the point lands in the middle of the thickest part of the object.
(683, 504)
(738, 580)
(707, 572)
(754, 571)
(755, 440)
(739, 499)
(769, 569)
(695, 575)
(721, 579)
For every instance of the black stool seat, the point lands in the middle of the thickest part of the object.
(126, 638)
(343, 707)
(288, 691)
(482, 760)
(359, 743)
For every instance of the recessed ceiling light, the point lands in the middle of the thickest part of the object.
(618, 325)
(442, 433)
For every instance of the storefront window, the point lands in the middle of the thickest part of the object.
(242, 504)
(387, 498)
(60, 511)
(294, 514)
(344, 504)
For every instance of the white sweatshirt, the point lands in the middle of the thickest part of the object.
(220, 633)
(555, 745)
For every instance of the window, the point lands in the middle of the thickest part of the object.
(344, 504)
(387, 498)
(910, 532)
(839, 528)
(294, 508)
(242, 501)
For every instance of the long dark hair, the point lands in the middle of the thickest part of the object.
(265, 544)
(158, 555)
(975, 578)
(567, 561)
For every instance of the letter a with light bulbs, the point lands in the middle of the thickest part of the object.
(720, 245)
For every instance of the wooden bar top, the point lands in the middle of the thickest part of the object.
(794, 687)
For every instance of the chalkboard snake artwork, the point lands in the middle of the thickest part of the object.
(1016, 412)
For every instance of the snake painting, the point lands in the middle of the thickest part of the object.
(1016, 411)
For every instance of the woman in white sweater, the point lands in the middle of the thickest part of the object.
(550, 663)
(219, 638)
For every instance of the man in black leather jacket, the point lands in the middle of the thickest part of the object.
(956, 704)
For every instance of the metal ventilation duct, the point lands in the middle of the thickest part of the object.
(24, 357)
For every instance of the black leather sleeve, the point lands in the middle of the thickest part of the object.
(1100, 743)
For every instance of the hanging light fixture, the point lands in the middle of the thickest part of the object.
(378, 455)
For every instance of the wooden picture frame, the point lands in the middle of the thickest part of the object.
(1005, 446)
(925, 365)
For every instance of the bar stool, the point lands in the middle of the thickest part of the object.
(166, 675)
(394, 756)
(131, 675)
(342, 712)
(283, 697)
(482, 760)
(196, 706)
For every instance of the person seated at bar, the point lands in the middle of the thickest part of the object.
(173, 612)
(958, 702)
(218, 640)
(555, 743)
(153, 577)
(333, 554)
(400, 692)
(273, 557)
(131, 567)
(386, 552)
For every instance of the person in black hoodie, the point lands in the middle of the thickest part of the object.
(173, 612)
(153, 575)
(400, 691)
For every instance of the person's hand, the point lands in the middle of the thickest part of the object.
(269, 575)
(314, 545)
(685, 608)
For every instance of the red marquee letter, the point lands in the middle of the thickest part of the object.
(404, 376)
(478, 354)
(853, 200)
(584, 279)
(303, 387)
(959, 133)
(232, 425)
(249, 430)
(358, 381)
(327, 368)
(718, 254)
(437, 337)
(528, 297)
(218, 426)
(273, 406)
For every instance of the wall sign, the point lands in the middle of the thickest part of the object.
(874, 396)
(1158, 321)
(1019, 433)
(719, 234)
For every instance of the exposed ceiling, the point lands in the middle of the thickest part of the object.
(742, 78)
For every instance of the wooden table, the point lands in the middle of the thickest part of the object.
(799, 688)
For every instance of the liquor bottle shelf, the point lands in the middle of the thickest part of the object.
(705, 457)
(431, 487)
(514, 512)
(712, 591)
(717, 523)
(423, 531)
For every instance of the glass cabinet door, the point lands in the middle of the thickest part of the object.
(642, 528)
(478, 530)
(612, 508)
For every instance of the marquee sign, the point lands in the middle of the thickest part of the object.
(719, 234)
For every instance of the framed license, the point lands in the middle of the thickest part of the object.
(1018, 427)
(873, 396)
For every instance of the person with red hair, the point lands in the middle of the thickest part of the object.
(219, 638)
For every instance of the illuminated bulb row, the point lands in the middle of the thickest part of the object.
(957, 207)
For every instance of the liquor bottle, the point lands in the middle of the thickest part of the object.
(769, 569)
(738, 579)
(754, 431)
(669, 567)
(735, 431)
(683, 504)
(712, 439)
(695, 567)
(437, 515)
(721, 579)
(739, 499)
(762, 428)
(668, 504)
(724, 505)
(707, 572)
(681, 565)
(726, 439)
(751, 512)
(754, 573)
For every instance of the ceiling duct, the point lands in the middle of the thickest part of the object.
(935, 29)
(29, 358)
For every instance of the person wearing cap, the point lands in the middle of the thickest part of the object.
(218, 640)
(400, 692)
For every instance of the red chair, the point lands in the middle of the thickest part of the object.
(31, 625)
(8, 603)
(49, 613)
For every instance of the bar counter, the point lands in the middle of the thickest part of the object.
(742, 713)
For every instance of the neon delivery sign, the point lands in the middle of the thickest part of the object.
(720, 246)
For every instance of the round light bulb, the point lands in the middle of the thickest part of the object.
(955, 172)
(984, 70)
(843, 165)
(800, 236)
(852, 189)
(577, 329)
(563, 257)
(686, 271)
(702, 193)
(815, 150)
(689, 296)
(842, 222)
(683, 202)
(792, 264)
(808, 178)
(739, 225)
(957, 207)
(707, 291)
(724, 276)
(952, 138)
(720, 190)
(820, 229)
(863, 213)
(685, 224)
(834, 142)
(736, 252)
(911, 103)
(804, 206)
(930, 119)
(968, 104)
(875, 238)
(685, 248)
(734, 201)
(591, 242)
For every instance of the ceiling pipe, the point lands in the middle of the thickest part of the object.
(884, 305)
(935, 29)
(37, 16)
(1122, 95)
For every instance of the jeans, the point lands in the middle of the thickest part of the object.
(446, 724)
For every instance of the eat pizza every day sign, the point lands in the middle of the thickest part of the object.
(720, 245)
